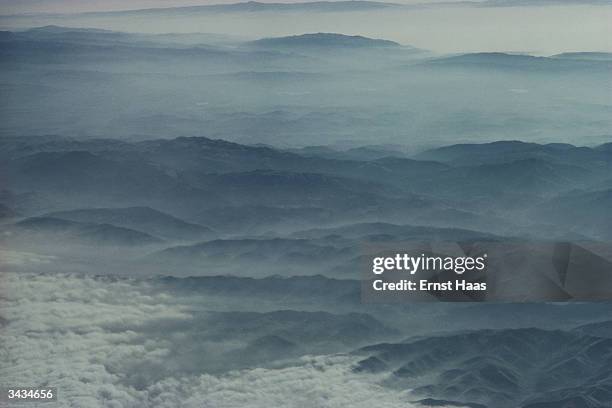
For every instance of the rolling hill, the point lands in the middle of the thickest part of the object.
(323, 40)
(143, 219)
(499, 368)
(56, 231)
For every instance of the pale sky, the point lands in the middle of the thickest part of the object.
(68, 6)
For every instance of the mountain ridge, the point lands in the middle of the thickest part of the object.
(256, 6)
(494, 367)
(145, 219)
(325, 40)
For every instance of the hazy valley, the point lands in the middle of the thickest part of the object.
(184, 217)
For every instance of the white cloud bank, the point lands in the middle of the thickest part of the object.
(315, 382)
(102, 343)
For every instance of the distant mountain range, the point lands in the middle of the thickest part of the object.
(519, 3)
(295, 57)
(211, 207)
(85, 41)
(512, 3)
(524, 62)
(348, 6)
(258, 186)
(255, 6)
(323, 40)
(606, 56)
(337, 6)
(509, 151)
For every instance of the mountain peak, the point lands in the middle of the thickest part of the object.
(324, 40)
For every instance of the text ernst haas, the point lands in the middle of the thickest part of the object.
(425, 285)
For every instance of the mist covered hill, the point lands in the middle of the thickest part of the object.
(312, 88)
(186, 217)
(526, 368)
(196, 180)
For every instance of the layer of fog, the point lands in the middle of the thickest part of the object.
(124, 342)
(292, 100)
(105, 342)
(545, 30)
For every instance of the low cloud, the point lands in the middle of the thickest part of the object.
(323, 381)
(108, 342)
